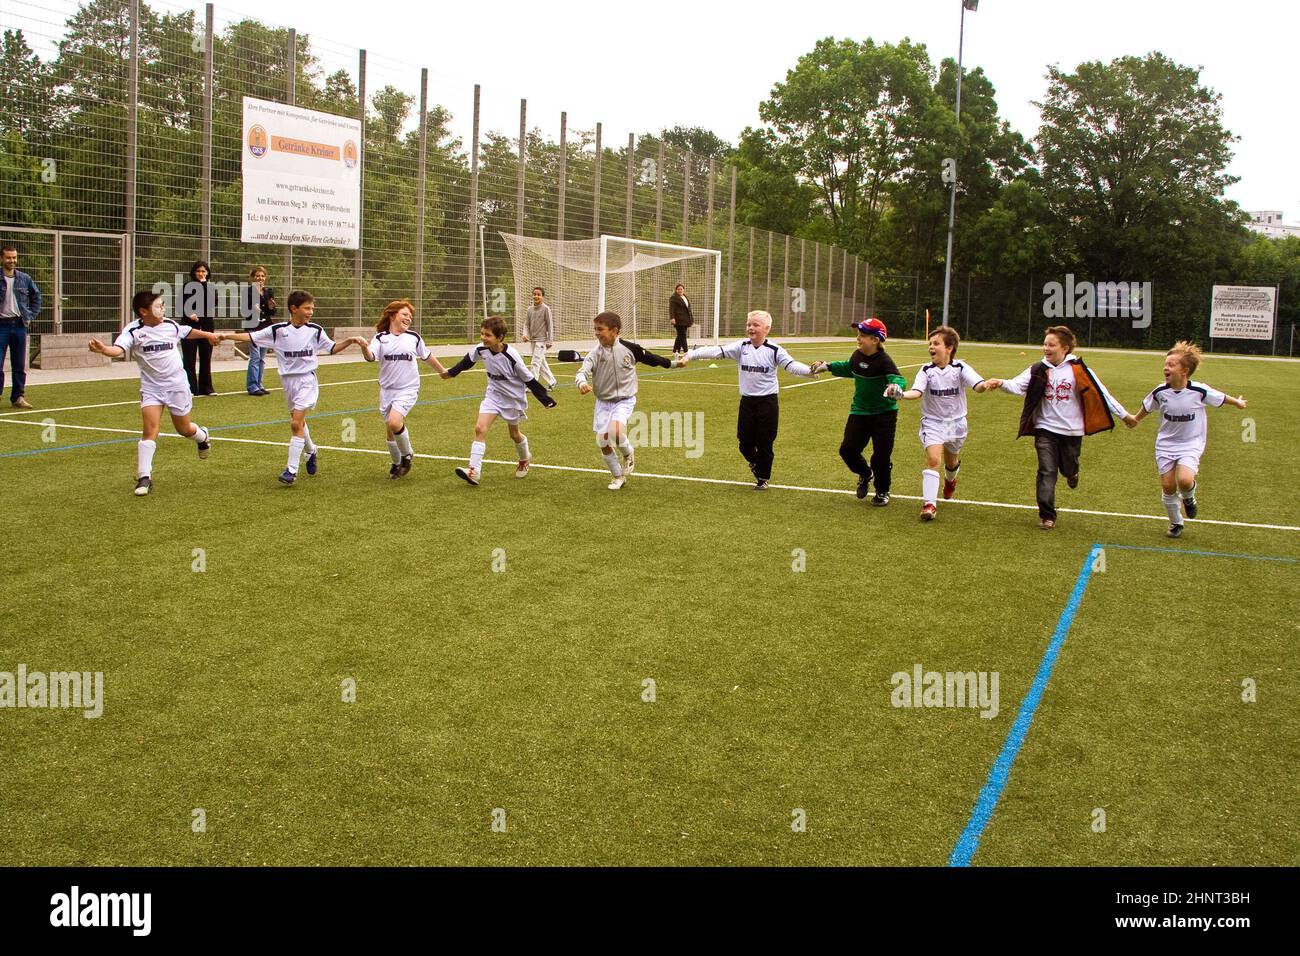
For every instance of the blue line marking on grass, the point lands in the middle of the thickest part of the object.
(89, 444)
(1208, 554)
(990, 793)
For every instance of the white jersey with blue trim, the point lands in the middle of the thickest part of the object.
(156, 350)
(507, 374)
(758, 364)
(1182, 417)
(399, 358)
(943, 390)
(296, 346)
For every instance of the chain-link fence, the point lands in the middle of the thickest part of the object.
(125, 118)
(121, 127)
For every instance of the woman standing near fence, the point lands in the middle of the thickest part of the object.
(196, 310)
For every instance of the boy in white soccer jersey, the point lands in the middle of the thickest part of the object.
(297, 343)
(759, 415)
(611, 366)
(399, 352)
(153, 341)
(1180, 442)
(941, 386)
(508, 376)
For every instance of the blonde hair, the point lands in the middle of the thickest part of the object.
(1187, 353)
(762, 315)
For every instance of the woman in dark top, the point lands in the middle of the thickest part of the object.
(195, 311)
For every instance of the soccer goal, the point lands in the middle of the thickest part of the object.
(633, 277)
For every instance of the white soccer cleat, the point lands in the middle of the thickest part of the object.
(617, 483)
(629, 464)
(468, 474)
(522, 470)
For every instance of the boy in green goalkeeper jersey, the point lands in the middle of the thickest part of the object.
(873, 417)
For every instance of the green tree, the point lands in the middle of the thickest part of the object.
(850, 114)
(1133, 154)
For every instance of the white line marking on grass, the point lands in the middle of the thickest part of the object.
(692, 478)
(136, 401)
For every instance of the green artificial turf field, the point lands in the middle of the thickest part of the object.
(502, 640)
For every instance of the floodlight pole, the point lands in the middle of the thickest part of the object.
(600, 282)
(971, 5)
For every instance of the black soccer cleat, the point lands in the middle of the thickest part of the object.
(881, 499)
(393, 470)
(404, 468)
(864, 487)
(204, 448)
(1189, 507)
(143, 485)
(1175, 531)
(760, 485)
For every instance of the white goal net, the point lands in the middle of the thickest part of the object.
(633, 277)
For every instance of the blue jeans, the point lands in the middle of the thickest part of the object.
(255, 364)
(13, 338)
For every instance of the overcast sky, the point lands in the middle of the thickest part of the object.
(644, 65)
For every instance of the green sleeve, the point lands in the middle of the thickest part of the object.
(896, 379)
(840, 369)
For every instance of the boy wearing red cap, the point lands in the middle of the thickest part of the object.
(873, 417)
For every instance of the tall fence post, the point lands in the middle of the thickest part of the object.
(132, 112)
(731, 249)
(473, 225)
(708, 222)
(520, 173)
(659, 200)
(205, 238)
(686, 202)
(595, 189)
(420, 194)
(749, 277)
(564, 176)
(290, 99)
(631, 171)
(785, 289)
(359, 261)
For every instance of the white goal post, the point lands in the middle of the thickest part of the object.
(633, 277)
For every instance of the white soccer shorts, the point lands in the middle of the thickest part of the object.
(1166, 462)
(301, 392)
(606, 412)
(401, 399)
(512, 413)
(951, 434)
(179, 401)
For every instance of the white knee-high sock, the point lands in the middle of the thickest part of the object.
(1172, 508)
(144, 457)
(476, 452)
(295, 453)
(308, 444)
(951, 473)
(521, 447)
(611, 462)
(404, 441)
(1190, 492)
(394, 452)
(200, 434)
(929, 486)
(624, 445)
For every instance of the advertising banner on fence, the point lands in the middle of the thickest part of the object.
(302, 176)
(1243, 312)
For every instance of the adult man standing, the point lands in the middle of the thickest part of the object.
(20, 303)
(758, 359)
(539, 328)
(266, 315)
(679, 313)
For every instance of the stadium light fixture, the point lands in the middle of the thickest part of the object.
(972, 6)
